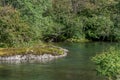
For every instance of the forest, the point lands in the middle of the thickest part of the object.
(30, 21)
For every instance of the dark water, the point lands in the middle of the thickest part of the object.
(76, 66)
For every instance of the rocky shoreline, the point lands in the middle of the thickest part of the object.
(31, 58)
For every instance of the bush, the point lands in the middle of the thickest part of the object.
(59, 20)
(99, 28)
(54, 32)
(33, 11)
(12, 28)
(108, 63)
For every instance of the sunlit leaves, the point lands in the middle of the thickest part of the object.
(108, 63)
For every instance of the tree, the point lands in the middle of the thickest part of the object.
(13, 29)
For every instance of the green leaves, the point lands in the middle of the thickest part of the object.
(108, 63)
(59, 20)
(99, 28)
(12, 28)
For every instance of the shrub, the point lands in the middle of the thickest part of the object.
(108, 63)
(12, 28)
(33, 11)
(99, 28)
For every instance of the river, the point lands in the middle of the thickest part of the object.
(76, 66)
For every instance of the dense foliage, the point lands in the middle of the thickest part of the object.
(59, 20)
(13, 30)
(108, 63)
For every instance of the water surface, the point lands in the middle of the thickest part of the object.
(76, 66)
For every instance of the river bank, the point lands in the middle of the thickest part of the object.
(39, 54)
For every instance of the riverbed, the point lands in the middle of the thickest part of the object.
(76, 66)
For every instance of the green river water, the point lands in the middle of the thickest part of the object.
(76, 66)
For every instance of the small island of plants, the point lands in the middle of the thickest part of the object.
(37, 53)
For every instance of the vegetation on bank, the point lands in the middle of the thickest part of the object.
(108, 63)
(37, 50)
(77, 40)
(25, 21)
